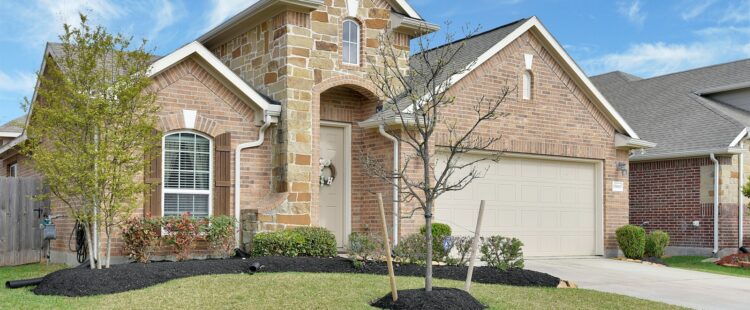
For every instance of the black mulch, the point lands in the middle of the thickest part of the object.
(126, 277)
(439, 299)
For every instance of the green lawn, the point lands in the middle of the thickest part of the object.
(694, 263)
(299, 291)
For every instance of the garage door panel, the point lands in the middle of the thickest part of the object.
(549, 205)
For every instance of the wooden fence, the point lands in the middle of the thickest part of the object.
(20, 234)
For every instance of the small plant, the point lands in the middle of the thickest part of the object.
(502, 253)
(462, 244)
(181, 233)
(305, 241)
(656, 242)
(632, 241)
(441, 240)
(363, 247)
(411, 250)
(141, 236)
(220, 234)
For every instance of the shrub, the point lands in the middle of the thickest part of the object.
(318, 241)
(441, 241)
(632, 240)
(502, 253)
(462, 244)
(411, 250)
(656, 241)
(220, 234)
(306, 241)
(141, 236)
(181, 233)
(364, 246)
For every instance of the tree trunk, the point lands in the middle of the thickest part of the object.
(107, 231)
(428, 236)
(87, 228)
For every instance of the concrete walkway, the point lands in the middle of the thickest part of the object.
(693, 289)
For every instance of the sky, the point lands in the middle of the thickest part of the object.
(642, 37)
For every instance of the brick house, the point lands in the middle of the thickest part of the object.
(268, 95)
(692, 116)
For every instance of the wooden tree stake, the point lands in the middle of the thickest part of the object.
(387, 243)
(474, 244)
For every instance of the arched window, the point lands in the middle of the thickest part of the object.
(187, 174)
(527, 85)
(351, 42)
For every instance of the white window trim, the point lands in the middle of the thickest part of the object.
(357, 42)
(13, 167)
(210, 190)
(527, 85)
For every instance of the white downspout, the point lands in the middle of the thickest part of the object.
(381, 129)
(740, 196)
(716, 204)
(237, 161)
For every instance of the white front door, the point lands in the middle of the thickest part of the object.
(333, 195)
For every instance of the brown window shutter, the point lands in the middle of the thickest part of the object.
(152, 175)
(222, 173)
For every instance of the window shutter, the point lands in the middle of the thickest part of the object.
(222, 173)
(152, 175)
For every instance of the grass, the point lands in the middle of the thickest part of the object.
(695, 263)
(299, 291)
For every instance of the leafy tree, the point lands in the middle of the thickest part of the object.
(91, 127)
(415, 98)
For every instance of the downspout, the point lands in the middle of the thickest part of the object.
(381, 129)
(237, 161)
(740, 196)
(716, 204)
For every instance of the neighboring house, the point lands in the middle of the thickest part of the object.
(11, 162)
(264, 97)
(691, 115)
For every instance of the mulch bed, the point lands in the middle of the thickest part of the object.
(126, 277)
(439, 299)
(735, 260)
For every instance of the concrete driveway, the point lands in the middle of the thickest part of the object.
(699, 290)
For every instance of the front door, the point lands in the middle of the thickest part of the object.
(333, 186)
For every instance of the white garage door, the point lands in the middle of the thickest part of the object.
(550, 205)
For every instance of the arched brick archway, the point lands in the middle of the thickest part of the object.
(350, 100)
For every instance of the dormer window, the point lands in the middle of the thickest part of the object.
(351, 43)
(527, 85)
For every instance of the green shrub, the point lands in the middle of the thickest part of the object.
(656, 241)
(141, 236)
(441, 243)
(181, 233)
(632, 241)
(318, 241)
(220, 234)
(364, 246)
(502, 253)
(462, 244)
(300, 241)
(412, 249)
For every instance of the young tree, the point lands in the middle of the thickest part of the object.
(91, 127)
(416, 99)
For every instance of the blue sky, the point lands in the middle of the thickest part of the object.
(642, 37)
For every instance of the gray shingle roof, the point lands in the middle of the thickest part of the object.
(15, 125)
(666, 109)
(473, 47)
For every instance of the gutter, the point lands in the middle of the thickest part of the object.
(237, 154)
(716, 204)
(381, 129)
(687, 154)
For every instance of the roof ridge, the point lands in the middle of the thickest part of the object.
(702, 101)
(473, 36)
(694, 69)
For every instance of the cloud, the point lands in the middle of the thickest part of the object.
(632, 11)
(695, 9)
(17, 83)
(165, 14)
(737, 12)
(223, 9)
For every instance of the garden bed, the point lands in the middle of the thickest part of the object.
(126, 277)
(438, 299)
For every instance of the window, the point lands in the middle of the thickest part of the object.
(13, 170)
(527, 85)
(187, 174)
(351, 43)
